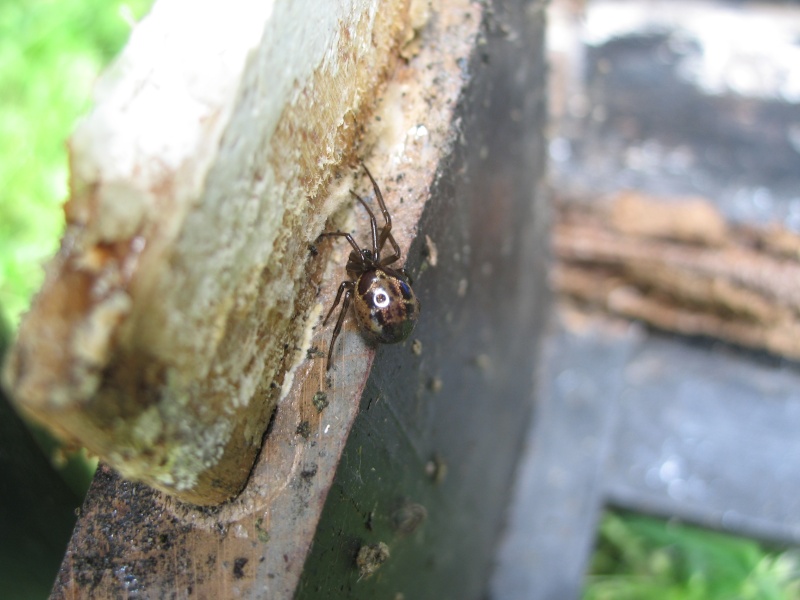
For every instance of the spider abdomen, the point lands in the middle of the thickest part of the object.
(386, 307)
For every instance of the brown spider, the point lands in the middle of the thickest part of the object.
(385, 306)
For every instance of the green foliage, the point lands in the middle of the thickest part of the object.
(51, 51)
(642, 557)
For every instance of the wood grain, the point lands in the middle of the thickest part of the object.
(133, 540)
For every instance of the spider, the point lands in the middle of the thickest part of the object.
(386, 307)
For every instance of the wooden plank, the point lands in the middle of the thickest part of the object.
(428, 466)
(559, 493)
(447, 124)
(178, 306)
(708, 435)
(649, 423)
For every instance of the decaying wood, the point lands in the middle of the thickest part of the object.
(176, 308)
(676, 264)
(134, 540)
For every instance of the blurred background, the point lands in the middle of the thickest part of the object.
(51, 52)
(671, 100)
(662, 460)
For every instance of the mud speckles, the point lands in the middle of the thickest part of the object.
(309, 472)
(238, 567)
(370, 558)
(303, 430)
(261, 533)
(430, 252)
(314, 352)
(436, 469)
(483, 362)
(408, 518)
(320, 401)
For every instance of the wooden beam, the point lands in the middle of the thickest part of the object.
(177, 310)
(455, 140)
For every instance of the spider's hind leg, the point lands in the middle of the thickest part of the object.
(373, 224)
(348, 286)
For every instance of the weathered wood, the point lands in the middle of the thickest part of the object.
(680, 267)
(462, 117)
(429, 464)
(176, 309)
(559, 491)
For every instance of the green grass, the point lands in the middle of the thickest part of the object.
(51, 52)
(640, 557)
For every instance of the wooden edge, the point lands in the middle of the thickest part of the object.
(131, 539)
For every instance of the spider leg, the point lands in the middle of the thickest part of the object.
(386, 230)
(394, 257)
(372, 224)
(347, 236)
(348, 285)
(381, 203)
(344, 285)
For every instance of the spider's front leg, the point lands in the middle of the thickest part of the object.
(347, 236)
(373, 225)
(386, 231)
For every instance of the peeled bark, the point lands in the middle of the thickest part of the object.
(679, 266)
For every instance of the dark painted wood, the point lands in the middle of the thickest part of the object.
(440, 429)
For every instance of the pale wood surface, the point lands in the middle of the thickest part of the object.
(178, 305)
